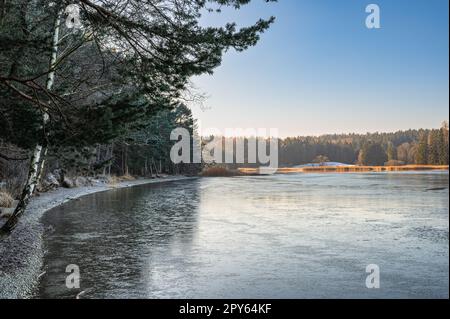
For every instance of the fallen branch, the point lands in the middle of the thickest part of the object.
(8, 158)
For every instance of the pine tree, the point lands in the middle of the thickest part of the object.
(422, 149)
(433, 147)
(443, 145)
(373, 154)
(391, 152)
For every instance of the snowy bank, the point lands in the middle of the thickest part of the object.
(21, 253)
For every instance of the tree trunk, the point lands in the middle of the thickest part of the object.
(40, 151)
(111, 156)
(126, 173)
(145, 168)
(156, 168)
(151, 171)
(2, 11)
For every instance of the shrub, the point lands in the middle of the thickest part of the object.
(113, 180)
(127, 178)
(6, 200)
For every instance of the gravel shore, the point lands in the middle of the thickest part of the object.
(21, 253)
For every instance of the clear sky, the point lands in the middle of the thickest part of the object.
(320, 70)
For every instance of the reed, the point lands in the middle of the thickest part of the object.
(349, 169)
(219, 172)
(6, 200)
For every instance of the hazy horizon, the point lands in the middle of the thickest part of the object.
(336, 133)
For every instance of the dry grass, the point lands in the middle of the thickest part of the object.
(219, 172)
(114, 180)
(350, 169)
(13, 174)
(127, 178)
(6, 200)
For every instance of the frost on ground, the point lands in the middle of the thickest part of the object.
(22, 252)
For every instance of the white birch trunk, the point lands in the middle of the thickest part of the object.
(37, 161)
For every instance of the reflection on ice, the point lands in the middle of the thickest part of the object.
(292, 236)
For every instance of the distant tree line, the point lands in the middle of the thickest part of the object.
(422, 146)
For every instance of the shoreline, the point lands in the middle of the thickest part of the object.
(21, 253)
(348, 169)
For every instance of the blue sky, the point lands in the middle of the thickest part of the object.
(320, 70)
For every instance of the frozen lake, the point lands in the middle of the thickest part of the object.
(282, 236)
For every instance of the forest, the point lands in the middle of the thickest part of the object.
(414, 146)
(94, 91)
(423, 146)
(92, 87)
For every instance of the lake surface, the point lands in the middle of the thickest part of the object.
(283, 236)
